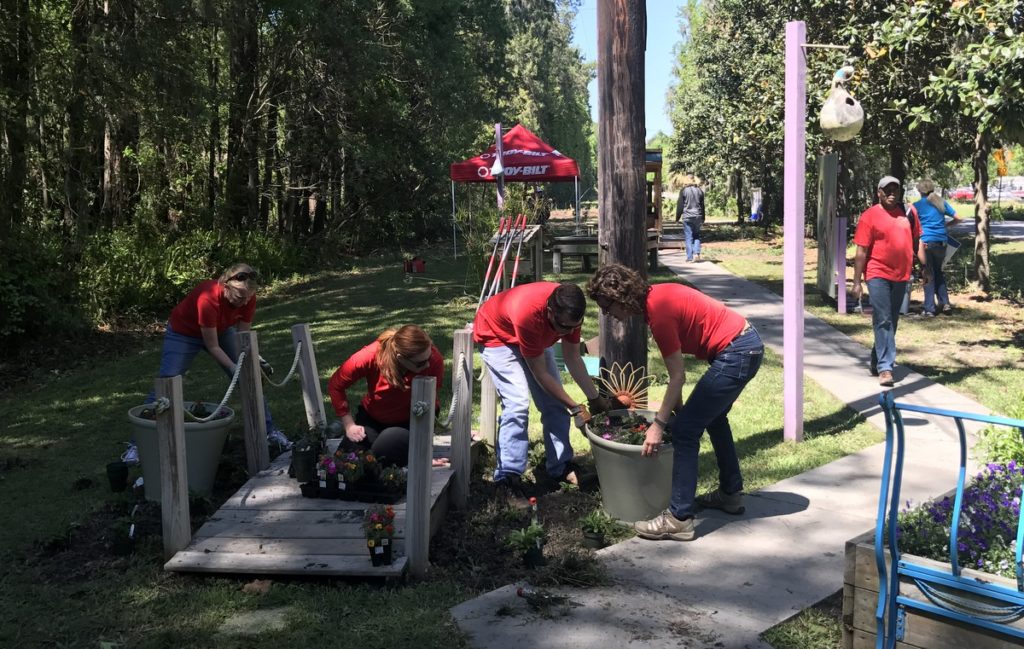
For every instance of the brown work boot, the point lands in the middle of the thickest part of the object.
(885, 378)
(665, 526)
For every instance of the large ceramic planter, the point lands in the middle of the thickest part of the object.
(633, 487)
(204, 443)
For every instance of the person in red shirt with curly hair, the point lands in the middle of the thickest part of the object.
(388, 365)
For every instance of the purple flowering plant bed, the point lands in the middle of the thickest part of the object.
(988, 522)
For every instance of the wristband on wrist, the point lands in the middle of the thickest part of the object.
(664, 426)
(575, 410)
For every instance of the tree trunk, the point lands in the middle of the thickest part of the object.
(740, 216)
(15, 67)
(979, 161)
(214, 140)
(77, 158)
(898, 161)
(242, 174)
(622, 227)
(269, 165)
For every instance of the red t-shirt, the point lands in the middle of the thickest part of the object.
(384, 403)
(889, 239)
(519, 316)
(684, 319)
(206, 306)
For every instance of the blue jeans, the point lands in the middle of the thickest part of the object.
(886, 297)
(708, 409)
(935, 256)
(691, 231)
(180, 350)
(515, 383)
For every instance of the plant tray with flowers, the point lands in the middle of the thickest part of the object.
(624, 427)
(379, 526)
(355, 475)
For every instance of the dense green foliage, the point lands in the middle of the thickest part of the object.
(144, 145)
(939, 82)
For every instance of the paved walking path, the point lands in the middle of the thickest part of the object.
(743, 574)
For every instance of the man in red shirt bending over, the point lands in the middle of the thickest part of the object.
(886, 241)
(517, 328)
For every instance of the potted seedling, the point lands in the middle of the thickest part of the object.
(529, 542)
(307, 449)
(379, 525)
(597, 525)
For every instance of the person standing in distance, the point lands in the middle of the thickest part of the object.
(690, 208)
(886, 240)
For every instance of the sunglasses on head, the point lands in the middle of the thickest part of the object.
(244, 276)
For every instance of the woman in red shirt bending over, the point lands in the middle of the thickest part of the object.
(208, 319)
(388, 364)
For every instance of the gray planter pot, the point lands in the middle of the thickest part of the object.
(204, 443)
(633, 487)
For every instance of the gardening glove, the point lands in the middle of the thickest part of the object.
(268, 369)
(580, 415)
(599, 404)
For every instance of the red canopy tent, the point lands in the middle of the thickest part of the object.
(525, 158)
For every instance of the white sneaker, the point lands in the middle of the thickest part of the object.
(131, 454)
(275, 436)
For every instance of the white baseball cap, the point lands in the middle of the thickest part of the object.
(888, 180)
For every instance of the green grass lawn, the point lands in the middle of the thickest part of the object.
(59, 434)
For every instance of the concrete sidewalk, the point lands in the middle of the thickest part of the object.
(744, 574)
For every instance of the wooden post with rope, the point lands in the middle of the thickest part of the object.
(257, 455)
(488, 408)
(417, 497)
(462, 395)
(312, 394)
(170, 440)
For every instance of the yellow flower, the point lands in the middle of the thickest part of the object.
(378, 526)
(370, 543)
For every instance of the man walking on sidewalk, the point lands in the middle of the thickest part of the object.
(886, 241)
(690, 208)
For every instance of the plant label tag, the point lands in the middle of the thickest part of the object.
(378, 550)
(384, 542)
(341, 485)
(323, 483)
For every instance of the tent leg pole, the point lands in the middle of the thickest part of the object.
(455, 236)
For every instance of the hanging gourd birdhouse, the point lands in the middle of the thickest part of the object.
(841, 116)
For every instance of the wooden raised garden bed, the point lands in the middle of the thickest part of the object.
(922, 631)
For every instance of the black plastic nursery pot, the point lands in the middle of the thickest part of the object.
(594, 540)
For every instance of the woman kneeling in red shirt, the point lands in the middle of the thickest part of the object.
(389, 364)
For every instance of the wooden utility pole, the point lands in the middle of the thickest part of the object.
(622, 225)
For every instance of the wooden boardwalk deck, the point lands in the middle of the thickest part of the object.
(269, 528)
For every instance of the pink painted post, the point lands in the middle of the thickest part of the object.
(795, 157)
(841, 264)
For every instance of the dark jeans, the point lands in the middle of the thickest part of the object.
(886, 297)
(708, 408)
(935, 256)
(388, 442)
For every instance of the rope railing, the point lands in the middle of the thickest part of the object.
(163, 403)
(459, 373)
(291, 372)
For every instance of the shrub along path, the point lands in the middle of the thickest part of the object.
(744, 574)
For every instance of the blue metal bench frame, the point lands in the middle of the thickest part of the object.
(940, 587)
